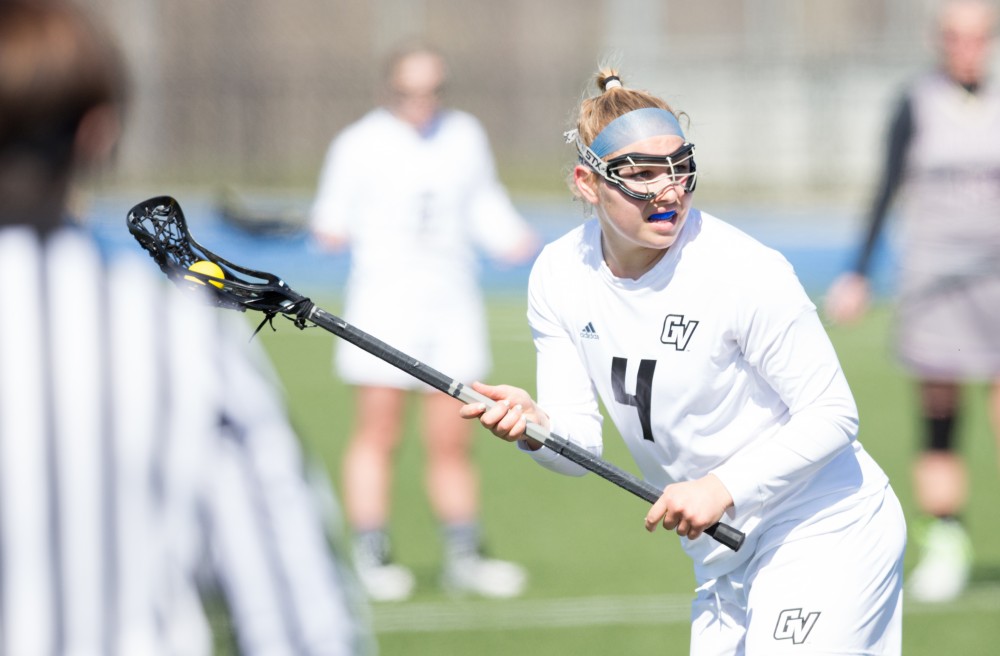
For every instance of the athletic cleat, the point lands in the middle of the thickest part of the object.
(382, 579)
(486, 577)
(386, 581)
(945, 563)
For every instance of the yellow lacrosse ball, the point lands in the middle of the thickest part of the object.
(207, 268)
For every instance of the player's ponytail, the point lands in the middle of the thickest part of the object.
(613, 100)
(608, 80)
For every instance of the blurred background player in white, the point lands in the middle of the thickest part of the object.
(943, 159)
(143, 448)
(712, 362)
(411, 188)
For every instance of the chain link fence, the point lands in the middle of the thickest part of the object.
(785, 97)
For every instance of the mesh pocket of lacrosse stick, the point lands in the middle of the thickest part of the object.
(158, 224)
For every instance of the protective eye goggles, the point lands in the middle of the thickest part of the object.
(642, 176)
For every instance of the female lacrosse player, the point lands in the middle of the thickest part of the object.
(413, 243)
(943, 158)
(713, 364)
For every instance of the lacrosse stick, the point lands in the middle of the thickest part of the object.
(158, 225)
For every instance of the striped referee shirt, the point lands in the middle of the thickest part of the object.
(141, 437)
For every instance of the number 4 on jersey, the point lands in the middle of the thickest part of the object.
(643, 397)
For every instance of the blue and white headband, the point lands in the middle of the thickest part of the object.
(637, 125)
(628, 128)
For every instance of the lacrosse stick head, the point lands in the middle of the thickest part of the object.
(158, 224)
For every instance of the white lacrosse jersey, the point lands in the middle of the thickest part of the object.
(714, 361)
(416, 209)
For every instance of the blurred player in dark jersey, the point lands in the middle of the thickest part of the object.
(943, 165)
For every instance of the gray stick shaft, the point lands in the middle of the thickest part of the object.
(573, 452)
(724, 533)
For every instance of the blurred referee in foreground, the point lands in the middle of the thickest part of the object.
(140, 436)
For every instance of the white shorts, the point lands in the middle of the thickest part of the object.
(451, 337)
(831, 593)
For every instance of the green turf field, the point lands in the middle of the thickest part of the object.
(599, 583)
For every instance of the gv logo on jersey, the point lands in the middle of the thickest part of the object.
(792, 625)
(677, 331)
